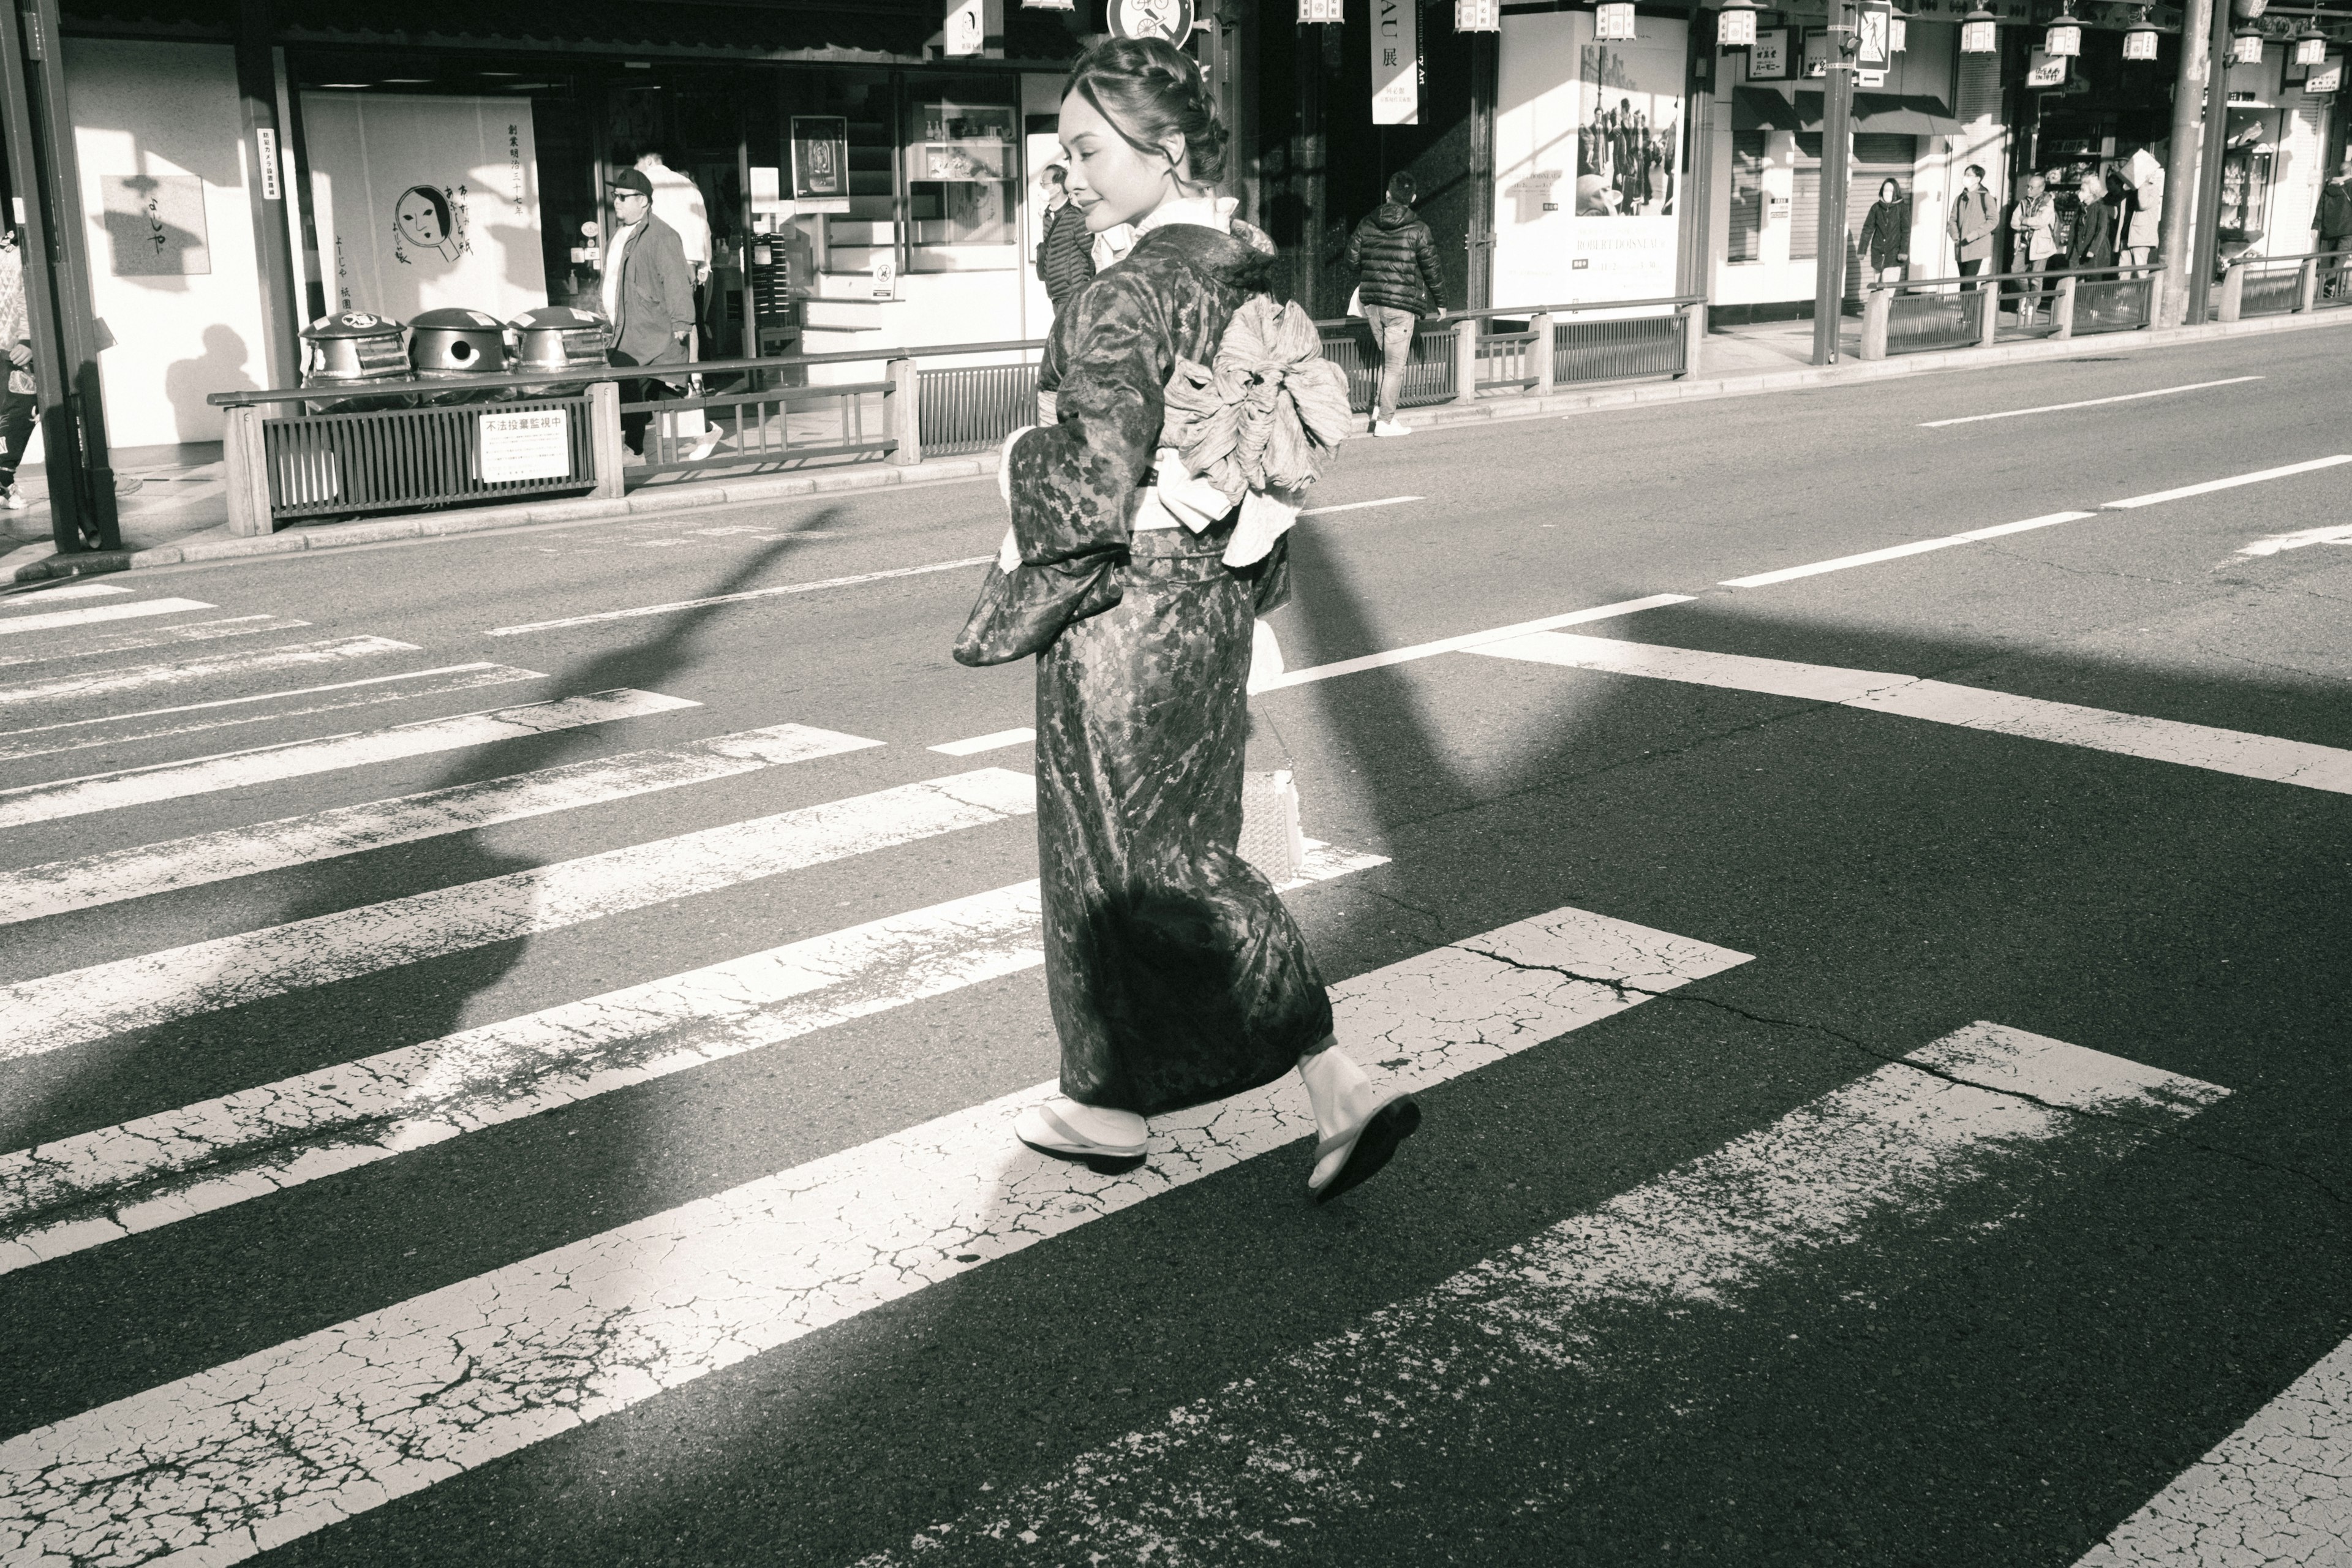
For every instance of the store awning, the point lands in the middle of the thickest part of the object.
(1875, 113)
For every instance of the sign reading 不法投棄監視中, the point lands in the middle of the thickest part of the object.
(1396, 62)
(532, 444)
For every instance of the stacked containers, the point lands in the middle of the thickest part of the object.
(559, 338)
(356, 349)
(454, 345)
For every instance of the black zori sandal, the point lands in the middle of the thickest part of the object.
(1368, 1147)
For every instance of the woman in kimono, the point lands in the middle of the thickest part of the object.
(1175, 974)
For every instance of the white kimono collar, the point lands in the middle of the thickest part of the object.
(1208, 212)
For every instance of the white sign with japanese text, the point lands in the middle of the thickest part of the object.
(531, 444)
(1396, 62)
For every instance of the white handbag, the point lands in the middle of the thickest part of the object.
(1356, 300)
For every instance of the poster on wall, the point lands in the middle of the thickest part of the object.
(1396, 62)
(430, 202)
(155, 226)
(1588, 144)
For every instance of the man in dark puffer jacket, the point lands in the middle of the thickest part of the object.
(1395, 259)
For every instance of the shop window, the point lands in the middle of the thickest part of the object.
(1747, 165)
(963, 175)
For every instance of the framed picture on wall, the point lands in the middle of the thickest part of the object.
(1768, 59)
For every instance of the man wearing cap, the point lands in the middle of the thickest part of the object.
(649, 295)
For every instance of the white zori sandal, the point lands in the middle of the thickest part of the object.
(1105, 1141)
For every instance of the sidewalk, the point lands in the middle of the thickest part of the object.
(177, 510)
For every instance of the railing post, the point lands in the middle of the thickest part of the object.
(902, 413)
(1877, 305)
(1465, 360)
(1541, 324)
(2306, 293)
(2061, 314)
(605, 438)
(2233, 292)
(1989, 329)
(246, 471)
(1694, 335)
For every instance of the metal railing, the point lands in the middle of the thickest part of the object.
(1429, 368)
(381, 460)
(2283, 285)
(1924, 314)
(1453, 359)
(973, 408)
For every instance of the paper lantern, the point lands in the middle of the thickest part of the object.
(2140, 38)
(1614, 22)
(2246, 47)
(1734, 29)
(2063, 40)
(1477, 15)
(1320, 11)
(1979, 33)
(2310, 46)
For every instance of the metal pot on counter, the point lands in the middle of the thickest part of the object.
(455, 344)
(356, 349)
(561, 337)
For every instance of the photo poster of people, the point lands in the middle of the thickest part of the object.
(1589, 144)
(424, 202)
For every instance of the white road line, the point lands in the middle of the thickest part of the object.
(2278, 1489)
(1467, 640)
(300, 759)
(248, 661)
(80, 1192)
(744, 597)
(2333, 533)
(229, 1462)
(1350, 1423)
(1359, 505)
(90, 615)
(2086, 403)
(157, 637)
(1896, 552)
(51, 596)
(77, 734)
(55, 1011)
(2234, 752)
(144, 869)
(989, 742)
(2210, 486)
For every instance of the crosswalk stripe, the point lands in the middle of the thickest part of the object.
(1897, 551)
(300, 759)
(746, 596)
(155, 636)
(2278, 1489)
(2234, 752)
(66, 1009)
(1467, 641)
(251, 661)
(90, 615)
(1887, 1151)
(228, 1462)
(146, 869)
(78, 1193)
(988, 742)
(51, 596)
(122, 728)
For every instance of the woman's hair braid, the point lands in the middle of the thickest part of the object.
(1148, 89)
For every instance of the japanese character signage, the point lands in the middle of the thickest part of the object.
(1396, 62)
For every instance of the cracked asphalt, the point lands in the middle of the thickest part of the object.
(1995, 1362)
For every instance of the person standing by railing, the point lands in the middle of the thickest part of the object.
(2033, 241)
(2138, 241)
(2333, 225)
(1394, 257)
(1973, 225)
(2093, 243)
(1066, 261)
(1886, 241)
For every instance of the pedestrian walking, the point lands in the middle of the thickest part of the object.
(2092, 244)
(16, 403)
(2033, 239)
(1175, 974)
(1394, 257)
(1975, 221)
(1886, 242)
(648, 296)
(2333, 225)
(2137, 242)
(1066, 261)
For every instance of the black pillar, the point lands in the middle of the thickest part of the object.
(2205, 244)
(1829, 263)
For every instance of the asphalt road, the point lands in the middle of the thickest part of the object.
(1893, 1117)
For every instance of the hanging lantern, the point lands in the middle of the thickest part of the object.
(1899, 33)
(1979, 32)
(2064, 39)
(2246, 47)
(1477, 15)
(2310, 46)
(2140, 38)
(1735, 27)
(1613, 21)
(1321, 11)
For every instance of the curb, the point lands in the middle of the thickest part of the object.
(36, 563)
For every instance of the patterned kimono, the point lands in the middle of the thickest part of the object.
(1175, 974)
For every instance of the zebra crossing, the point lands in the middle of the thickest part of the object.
(226, 1463)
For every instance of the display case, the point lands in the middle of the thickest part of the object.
(963, 183)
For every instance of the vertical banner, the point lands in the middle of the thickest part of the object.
(427, 202)
(1587, 160)
(1396, 62)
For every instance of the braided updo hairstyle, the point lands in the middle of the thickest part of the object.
(1150, 89)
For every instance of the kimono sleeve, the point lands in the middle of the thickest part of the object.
(1075, 484)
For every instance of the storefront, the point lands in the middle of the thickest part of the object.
(847, 185)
